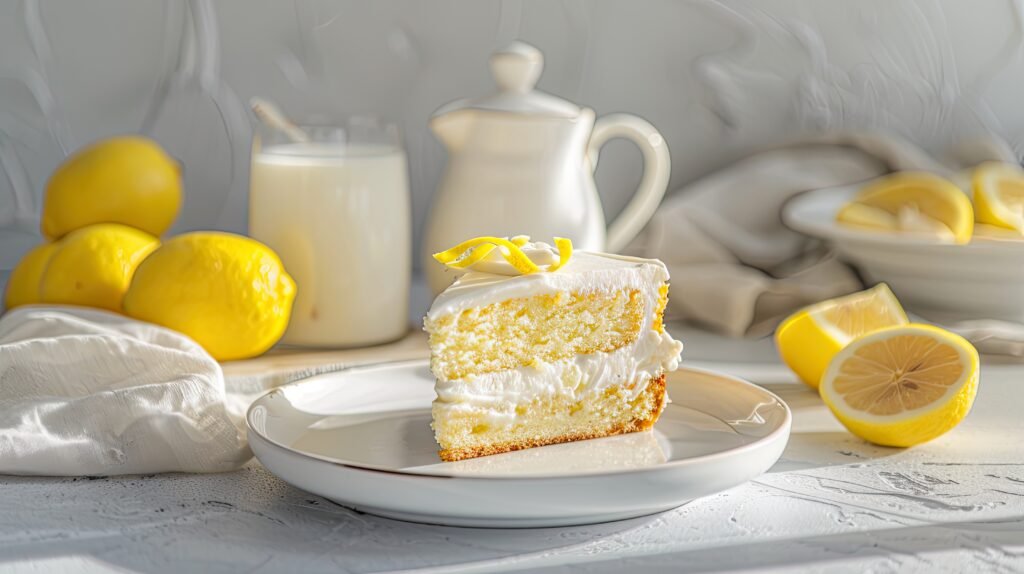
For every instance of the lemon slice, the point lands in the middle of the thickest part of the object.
(908, 219)
(902, 386)
(999, 195)
(915, 202)
(860, 215)
(809, 338)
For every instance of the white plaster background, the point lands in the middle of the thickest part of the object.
(718, 78)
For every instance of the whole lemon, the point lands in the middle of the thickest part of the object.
(93, 266)
(128, 179)
(231, 294)
(23, 284)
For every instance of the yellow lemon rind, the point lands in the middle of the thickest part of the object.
(803, 349)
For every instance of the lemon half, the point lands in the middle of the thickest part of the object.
(914, 202)
(999, 195)
(902, 386)
(809, 338)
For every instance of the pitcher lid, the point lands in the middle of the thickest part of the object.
(516, 69)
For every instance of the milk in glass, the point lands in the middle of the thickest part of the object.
(337, 213)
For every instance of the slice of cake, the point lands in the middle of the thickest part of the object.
(533, 346)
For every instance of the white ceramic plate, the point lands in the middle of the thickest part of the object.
(979, 280)
(362, 438)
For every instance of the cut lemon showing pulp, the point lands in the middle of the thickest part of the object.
(999, 195)
(809, 338)
(908, 219)
(902, 386)
(913, 202)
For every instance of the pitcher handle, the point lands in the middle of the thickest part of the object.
(657, 167)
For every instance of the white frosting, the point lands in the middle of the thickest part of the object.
(585, 272)
(496, 394)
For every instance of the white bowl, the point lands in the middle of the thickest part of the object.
(983, 279)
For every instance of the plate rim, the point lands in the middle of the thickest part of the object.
(783, 431)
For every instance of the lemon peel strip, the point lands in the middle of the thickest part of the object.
(475, 254)
(564, 246)
(482, 251)
(473, 250)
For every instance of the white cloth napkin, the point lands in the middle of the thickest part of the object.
(738, 270)
(87, 392)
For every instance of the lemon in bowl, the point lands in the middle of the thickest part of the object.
(231, 294)
(94, 265)
(998, 193)
(912, 202)
(129, 180)
(935, 278)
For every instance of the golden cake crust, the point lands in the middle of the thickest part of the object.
(655, 393)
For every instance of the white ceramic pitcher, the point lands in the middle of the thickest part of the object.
(521, 162)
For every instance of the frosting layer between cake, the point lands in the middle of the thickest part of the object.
(495, 396)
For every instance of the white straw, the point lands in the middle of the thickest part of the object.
(272, 116)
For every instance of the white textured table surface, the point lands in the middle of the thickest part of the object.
(833, 503)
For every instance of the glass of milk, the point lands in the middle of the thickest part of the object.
(336, 209)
